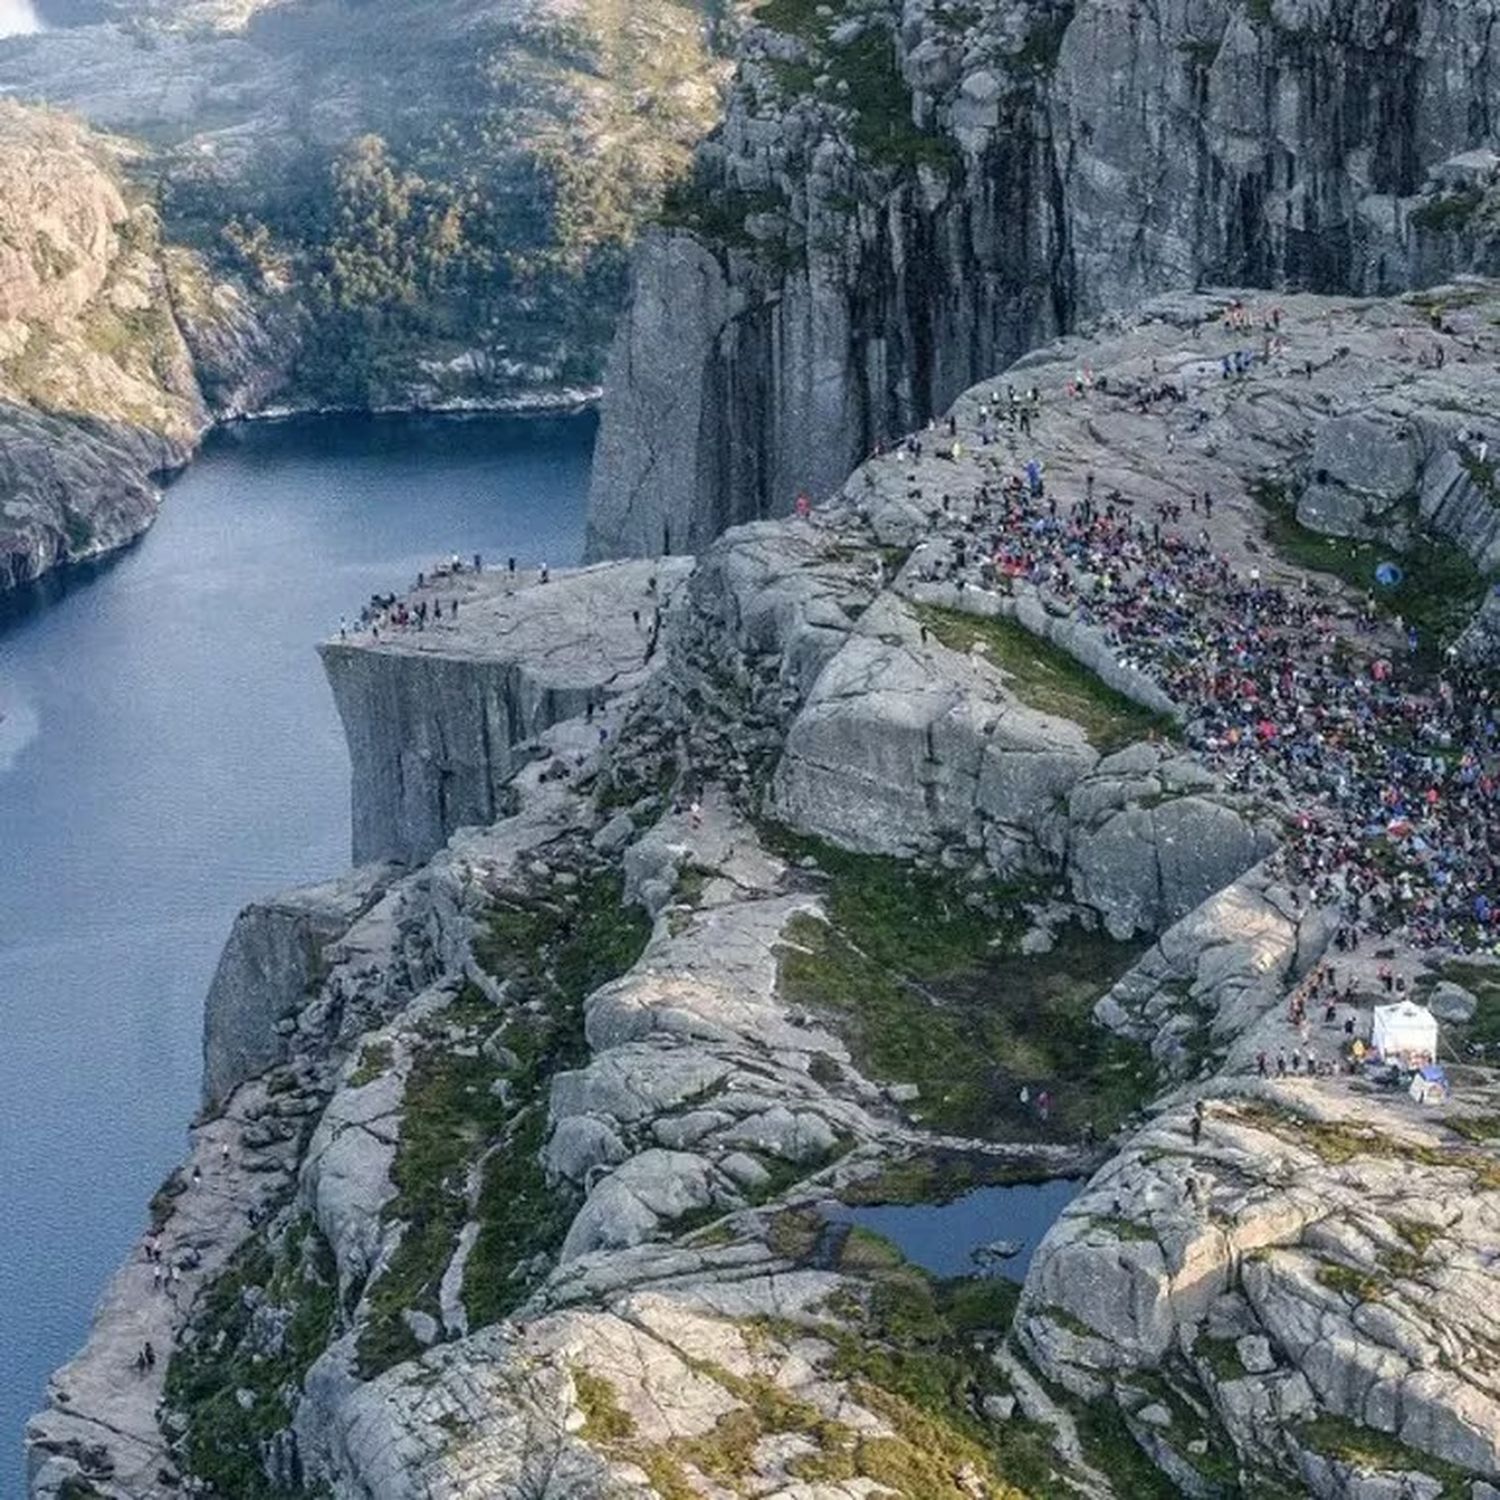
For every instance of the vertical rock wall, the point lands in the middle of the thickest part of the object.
(436, 719)
(826, 286)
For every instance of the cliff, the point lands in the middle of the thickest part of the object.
(98, 394)
(901, 199)
(440, 719)
(939, 842)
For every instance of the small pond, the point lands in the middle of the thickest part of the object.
(943, 1238)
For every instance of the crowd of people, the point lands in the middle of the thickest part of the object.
(1388, 766)
(393, 614)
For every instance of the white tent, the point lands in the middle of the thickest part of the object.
(1405, 1033)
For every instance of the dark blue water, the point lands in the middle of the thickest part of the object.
(942, 1237)
(169, 750)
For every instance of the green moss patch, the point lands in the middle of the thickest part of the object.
(926, 992)
(1359, 1286)
(1440, 586)
(559, 959)
(1337, 1143)
(232, 1370)
(936, 1177)
(1046, 678)
(1375, 1452)
(449, 1115)
(1449, 212)
(466, 1100)
(1221, 1357)
(375, 1060)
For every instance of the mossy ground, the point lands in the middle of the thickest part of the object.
(935, 1177)
(466, 1101)
(374, 1060)
(448, 1115)
(560, 960)
(1374, 1452)
(1440, 586)
(227, 1380)
(1046, 678)
(931, 992)
(1483, 982)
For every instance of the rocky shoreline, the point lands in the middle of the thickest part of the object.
(123, 517)
(700, 895)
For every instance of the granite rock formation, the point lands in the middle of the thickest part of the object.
(527, 1165)
(903, 198)
(98, 394)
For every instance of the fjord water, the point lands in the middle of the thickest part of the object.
(168, 751)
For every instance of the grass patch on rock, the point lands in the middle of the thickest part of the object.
(927, 993)
(252, 1337)
(560, 962)
(1046, 678)
(1374, 1452)
(936, 1177)
(1440, 586)
(913, 1351)
(474, 1096)
(1221, 1356)
(897, 914)
(1483, 982)
(449, 1114)
(375, 1059)
(1337, 1143)
(1359, 1286)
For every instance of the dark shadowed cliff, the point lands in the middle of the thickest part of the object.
(904, 198)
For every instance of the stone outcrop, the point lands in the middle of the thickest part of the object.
(1315, 1265)
(272, 961)
(438, 719)
(98, 395)
(528, 1166)
(901, 200)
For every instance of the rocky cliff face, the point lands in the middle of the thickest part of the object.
(440, 720)
(367, 206)
(98, 391)
(903, 199)
(529, 1167)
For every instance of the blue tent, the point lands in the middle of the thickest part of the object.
(1388, 575)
